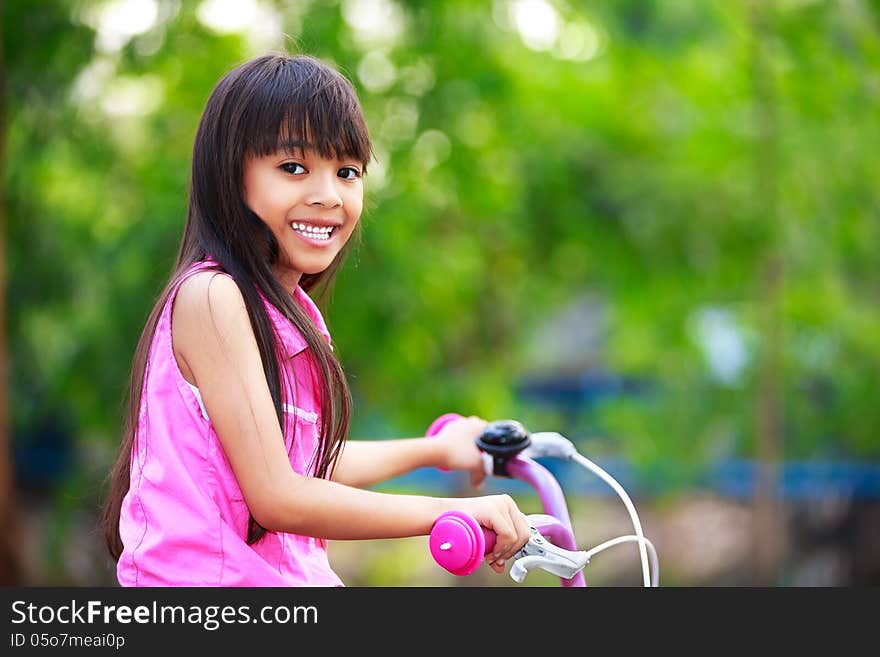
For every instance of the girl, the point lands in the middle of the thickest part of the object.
(234, 468)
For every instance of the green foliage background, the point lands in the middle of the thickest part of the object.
(665, 158)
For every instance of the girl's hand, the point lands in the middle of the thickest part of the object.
(500, 514)
(459, 450)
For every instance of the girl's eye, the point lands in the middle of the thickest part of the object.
(292, 167)
(349, 173)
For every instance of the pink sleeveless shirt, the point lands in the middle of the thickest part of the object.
(184, 519)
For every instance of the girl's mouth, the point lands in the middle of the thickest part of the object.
(316, 235)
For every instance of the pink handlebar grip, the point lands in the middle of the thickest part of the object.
(438, 424)
(458, 543)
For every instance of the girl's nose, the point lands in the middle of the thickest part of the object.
(324, 192)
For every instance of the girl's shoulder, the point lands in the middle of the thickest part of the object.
(210, 328)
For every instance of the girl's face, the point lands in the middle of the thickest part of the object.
(311, 204)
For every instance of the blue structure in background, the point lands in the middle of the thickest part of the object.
(800, 480)
(577, 392)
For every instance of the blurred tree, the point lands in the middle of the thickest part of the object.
(768, 531)
(10, 574)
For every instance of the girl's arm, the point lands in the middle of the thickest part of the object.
(215, 345)
(364, 463)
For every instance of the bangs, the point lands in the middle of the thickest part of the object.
(303, 104)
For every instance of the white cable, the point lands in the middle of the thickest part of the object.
(640, 537)
(652, 553)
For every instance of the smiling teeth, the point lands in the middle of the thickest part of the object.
(314, 232)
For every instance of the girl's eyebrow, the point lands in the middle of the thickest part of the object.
(299, 148)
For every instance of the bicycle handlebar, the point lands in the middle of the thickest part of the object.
(459, 543)
(498, 444)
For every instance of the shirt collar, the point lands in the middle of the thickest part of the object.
(290, 337)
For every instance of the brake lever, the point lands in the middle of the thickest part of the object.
(538, 552)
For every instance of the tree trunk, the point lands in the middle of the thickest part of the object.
(9, 563)
(769, 522)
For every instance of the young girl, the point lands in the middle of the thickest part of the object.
(234, 468)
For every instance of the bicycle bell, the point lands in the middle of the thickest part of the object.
(502, 440)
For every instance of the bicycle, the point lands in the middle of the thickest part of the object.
(458, 543)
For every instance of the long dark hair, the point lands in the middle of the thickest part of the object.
(253, 110)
